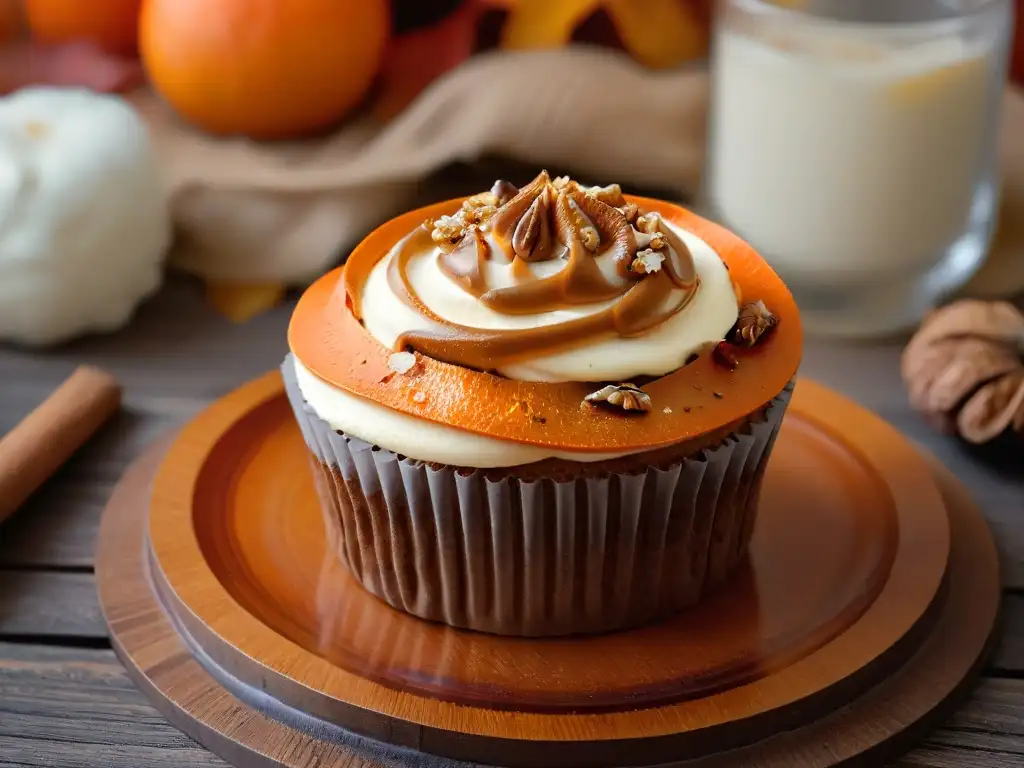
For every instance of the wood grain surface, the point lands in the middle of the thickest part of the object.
(240, 723)
(62, 704)
(241, 573)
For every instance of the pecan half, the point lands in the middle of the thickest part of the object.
(627, 397)
(755, 320)
(527, 234)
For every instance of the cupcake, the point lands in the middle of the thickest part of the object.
(543, 411)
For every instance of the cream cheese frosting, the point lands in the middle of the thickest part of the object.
(418, 438)
(552, 283)
(706, 318)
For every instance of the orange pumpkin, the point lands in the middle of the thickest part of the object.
(112, 24)
(267, 69)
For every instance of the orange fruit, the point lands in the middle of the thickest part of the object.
(10, 19)
(267, 69)
(111, 24)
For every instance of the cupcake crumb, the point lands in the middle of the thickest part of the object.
(667, 410)
(402, 362)
(725, 355)
(718, 395)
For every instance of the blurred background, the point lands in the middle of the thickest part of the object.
(282, 132)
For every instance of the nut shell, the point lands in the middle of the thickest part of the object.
(964, 369)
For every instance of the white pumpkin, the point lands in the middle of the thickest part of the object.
(84, 217)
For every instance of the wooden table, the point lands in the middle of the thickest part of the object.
(66, 701)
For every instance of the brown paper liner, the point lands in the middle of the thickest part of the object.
(539, 557)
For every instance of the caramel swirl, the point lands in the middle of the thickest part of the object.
(650, 275)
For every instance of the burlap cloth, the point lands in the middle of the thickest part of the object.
(251, 212)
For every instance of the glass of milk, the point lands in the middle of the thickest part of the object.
(853, 143)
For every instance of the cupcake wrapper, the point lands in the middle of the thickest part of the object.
(538, 557)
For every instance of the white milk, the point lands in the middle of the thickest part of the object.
(844, 161)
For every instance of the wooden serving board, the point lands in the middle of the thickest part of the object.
(867, 581)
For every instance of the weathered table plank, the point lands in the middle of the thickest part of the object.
(72, 707)
(66, 708)
(38, 604)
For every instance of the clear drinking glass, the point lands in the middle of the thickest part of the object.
(853, 143)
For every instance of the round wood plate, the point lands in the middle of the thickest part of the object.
(778, 647)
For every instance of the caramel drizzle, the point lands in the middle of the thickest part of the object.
(538, 224)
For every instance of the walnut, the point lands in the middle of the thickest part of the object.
(448, 231)
(477, 214)
(628, 397)
(964, 369)
(754, 322)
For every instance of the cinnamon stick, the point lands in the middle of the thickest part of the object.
(32, 451)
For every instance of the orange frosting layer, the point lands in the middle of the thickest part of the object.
(688, 403)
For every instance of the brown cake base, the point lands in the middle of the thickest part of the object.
(537, 556)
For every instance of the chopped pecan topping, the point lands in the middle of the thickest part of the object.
(647, 261)
(482, 200)
(478, 215)
(630, 211)
(627, 397)
(755, 320)
(655, 241)
(584, 226)
(725, 355)
(448, 231)
(649, 223)
(610, 195)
